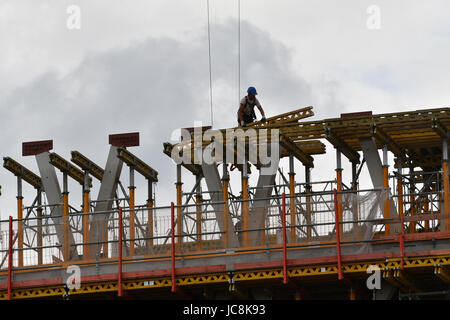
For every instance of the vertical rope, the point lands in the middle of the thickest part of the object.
(210, 76)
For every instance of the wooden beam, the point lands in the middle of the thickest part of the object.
(20, 171)
(195, 169)
(384, 138)
(284, 118)
(65, 166)
(352, 155)
(287, 143)
(84, 163)
(439, 128)
(140, 166)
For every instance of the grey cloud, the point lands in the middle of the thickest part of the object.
(153, 87)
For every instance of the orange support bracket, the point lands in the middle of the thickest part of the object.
(66, 219)
(225, 211)
(20, 220)
(402, 243)
(292, 204)
(387, 201)
(85, 220)
(245, 213)
(338, 236)
(172, 251)
(150, 222)
(20, 228)
(283, 221)
(132, 234)
(66, 223)
(445, 178)
(150, 204)
(39, 228)
(179, 224)
(120, 286)
(10, 257)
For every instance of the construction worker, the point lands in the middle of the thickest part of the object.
(246, 113)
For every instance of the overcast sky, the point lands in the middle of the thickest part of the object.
(143, 66)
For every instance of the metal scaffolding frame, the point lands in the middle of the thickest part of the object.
(280, 218)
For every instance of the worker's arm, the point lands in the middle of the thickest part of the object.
(262, 111)
(241, 112)
(263, 119)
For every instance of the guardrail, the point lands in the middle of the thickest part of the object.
(279, 223)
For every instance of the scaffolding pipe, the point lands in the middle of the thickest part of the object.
(445, 176)
(199, 220)
(172, 252)
(39, 223)
(20, 217)
(386, 185)
(245, 213)
(225, 181)
(283, 221)
(352, 295)
(402, 243)
(308, 190)
(339, 187)
(412, 199)
(150, 205)
(400, 189)
(86, 210)
(179, 204)
(292, 194)
(66, 222)
(10, 258)
(338, 238)
(131, 190)
(120, 289)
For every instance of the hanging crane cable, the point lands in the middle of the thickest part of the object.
(210, 73)
(239, 52)
(209, 56)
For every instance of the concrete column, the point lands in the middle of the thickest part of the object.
(54, 196)
(354, 178)
(214, 185)
(375, 166)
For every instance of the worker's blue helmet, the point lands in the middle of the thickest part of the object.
(252, 90)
